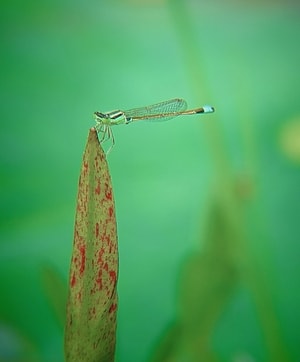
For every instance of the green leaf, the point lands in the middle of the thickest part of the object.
(207, 281)
(54, 286)
(90, 332)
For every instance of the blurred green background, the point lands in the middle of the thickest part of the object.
(207, 207)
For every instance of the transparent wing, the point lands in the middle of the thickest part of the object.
(162, 111)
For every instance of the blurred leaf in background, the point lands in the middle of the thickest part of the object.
(55, 289)
(60, 62)
(207, 282)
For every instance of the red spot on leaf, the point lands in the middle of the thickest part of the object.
(105, 238)
(108, 193)
(97, 229)
(85, 167)
(113, 275)
(100, 254)
(110, 211)
(82, 262)
(97, 189)
(99, 283)
(113, 307)
(73, 280)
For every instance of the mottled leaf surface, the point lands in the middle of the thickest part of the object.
(90, 332)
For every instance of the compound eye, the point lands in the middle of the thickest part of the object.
(100, 115)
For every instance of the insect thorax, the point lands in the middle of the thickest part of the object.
(116, 117)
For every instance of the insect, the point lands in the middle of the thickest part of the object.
(158, 112)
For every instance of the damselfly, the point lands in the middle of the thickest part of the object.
(158, 112)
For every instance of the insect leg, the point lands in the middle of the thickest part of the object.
(111, 137)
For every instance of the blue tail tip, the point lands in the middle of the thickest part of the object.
(208, 109)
